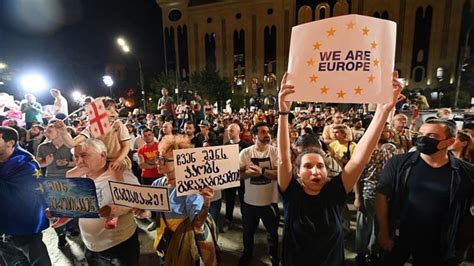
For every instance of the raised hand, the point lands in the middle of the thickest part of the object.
(397, 88)
(207, 193)
(283, 104)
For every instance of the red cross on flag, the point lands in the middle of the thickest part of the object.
(98, 120)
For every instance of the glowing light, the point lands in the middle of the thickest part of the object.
(76, 96)
(33, 82)
(108, 81)
(121, 42)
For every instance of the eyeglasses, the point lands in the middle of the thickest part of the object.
(163, 160)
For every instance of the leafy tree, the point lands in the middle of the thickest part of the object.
(237, 102)
(210, 85)
(163, 80)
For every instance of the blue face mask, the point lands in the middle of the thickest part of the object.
(427, 145)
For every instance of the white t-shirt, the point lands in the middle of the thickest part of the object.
(93, 232)
(60, 105)
(260, 191)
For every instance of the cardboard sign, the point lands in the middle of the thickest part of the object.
(70, 197)
(216, 167)
(140, 197)
(345, 59)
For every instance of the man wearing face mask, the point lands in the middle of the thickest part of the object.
(422, 197)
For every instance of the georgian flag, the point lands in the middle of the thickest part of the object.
(98, 120)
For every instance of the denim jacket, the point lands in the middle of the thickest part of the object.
(394, 184)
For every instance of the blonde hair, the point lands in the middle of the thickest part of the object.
(171, 142)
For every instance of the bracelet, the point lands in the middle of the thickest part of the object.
(283, 113)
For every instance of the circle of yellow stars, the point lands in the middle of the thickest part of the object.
(330, 33)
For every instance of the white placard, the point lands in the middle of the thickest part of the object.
(345, 59)
(216, 167)
(140, 197)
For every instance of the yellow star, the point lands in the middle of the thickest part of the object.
(373, 45)
(351, 25)
(358, 90)
(316, 46)
(313, 78)
(371, 78)
(37, 173)
(310, 62)
(324, 90)
(376, 62)
(331, 32)
(341, 94)
(365, 31)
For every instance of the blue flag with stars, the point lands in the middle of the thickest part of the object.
(21, 200)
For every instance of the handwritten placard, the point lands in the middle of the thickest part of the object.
(70, 197)
(216, 167)
(345, 59)
(140, 197)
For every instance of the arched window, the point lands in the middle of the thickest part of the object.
(305, 14)
(183, 50)
(323, 10)
(210, 46)
(418, 73)
(239, 59)
(421, 42)
(269, 60)
(170, 49)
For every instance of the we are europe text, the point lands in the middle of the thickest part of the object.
(353, 60)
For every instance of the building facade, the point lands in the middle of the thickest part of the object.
(248, 40)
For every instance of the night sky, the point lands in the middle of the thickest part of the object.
(71, 41)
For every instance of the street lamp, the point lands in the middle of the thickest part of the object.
(126, 49)
(109, 82)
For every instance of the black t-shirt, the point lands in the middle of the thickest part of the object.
(426, 205)
(313, 232)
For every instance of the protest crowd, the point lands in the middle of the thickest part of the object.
(409, 177)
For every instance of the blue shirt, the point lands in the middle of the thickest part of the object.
(21, 199)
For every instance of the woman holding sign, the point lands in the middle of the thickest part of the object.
(177, 230)
(313, 230)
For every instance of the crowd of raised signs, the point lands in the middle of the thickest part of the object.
(336, 131)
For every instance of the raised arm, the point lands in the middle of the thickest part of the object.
(283, 142)
(68, 140)
(366, 145)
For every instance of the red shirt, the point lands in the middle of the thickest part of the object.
(149, 153)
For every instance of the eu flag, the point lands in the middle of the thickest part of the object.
(21, 199)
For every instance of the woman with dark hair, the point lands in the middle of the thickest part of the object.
(313, 228)
(245, 133)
